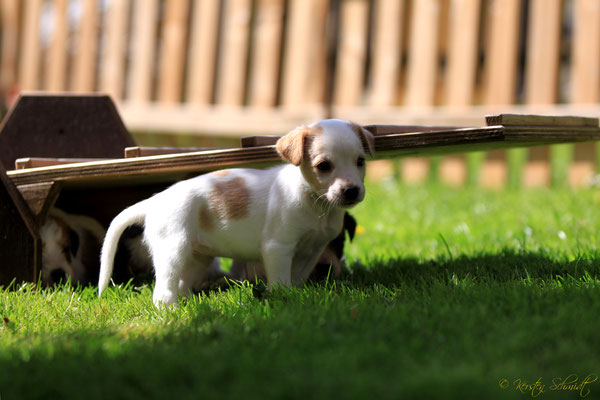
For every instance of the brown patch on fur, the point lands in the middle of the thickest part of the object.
(291, 147)
(366, 138)
(230, 199)
(222, 173)
(205, 218)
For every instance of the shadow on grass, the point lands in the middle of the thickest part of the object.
(505, 266)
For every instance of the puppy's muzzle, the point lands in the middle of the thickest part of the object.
(350, 195)
(58, 275)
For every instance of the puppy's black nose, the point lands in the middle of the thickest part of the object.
(351, 193)
(58, 275)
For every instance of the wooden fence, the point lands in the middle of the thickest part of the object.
(236, 67)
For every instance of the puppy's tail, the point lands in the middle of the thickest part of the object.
(136, 214)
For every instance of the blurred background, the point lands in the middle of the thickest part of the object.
(206, 72)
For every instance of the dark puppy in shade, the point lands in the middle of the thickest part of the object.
(70, 248)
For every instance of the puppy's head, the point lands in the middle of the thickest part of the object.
(60, 245)
(332, 157)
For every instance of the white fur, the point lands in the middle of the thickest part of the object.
(288, 222)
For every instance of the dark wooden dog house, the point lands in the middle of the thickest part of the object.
(80, 158)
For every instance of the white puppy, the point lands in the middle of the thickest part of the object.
(282, 216)
(70, 248)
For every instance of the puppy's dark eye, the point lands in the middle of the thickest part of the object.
(324, 166)
(360, 162)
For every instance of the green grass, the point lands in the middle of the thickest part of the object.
(449, 292)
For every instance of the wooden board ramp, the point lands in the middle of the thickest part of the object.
(102, 188)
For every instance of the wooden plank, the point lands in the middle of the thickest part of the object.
(9, 12)
(387, 52)
(140, 80)
(543, 47)
(30, 46)
(540, 120)
(84, 68)
(462, 52)
(305, 55)
(585, 65)
(37, 162)
(423, 54)
(266, 57)
(352, 53)
(140, 151)
(203, 51)
(55, 78)
(231, 85)
(112, 72)
(173, 52)
(502, 51)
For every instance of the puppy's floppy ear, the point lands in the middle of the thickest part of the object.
(291, 146)
(366, 138)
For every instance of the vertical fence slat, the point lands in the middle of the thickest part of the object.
(231, 83)
(501, 66)
(266, 53)
(172, 57)
(585, 65)
(55, 78)
(29, 64)
(387, 52)
(112, 71)
(203, 51)
(462, 52)
(352, 51)
(423, 53)
(10, 37)
(87, 47)
(143, 47)
(541, 76)
(585, 80)
(543, 47)
(304, 54)
(502, 52)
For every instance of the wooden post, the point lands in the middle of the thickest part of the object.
(387, 51)
(585, 80)
(266, 56)
(233, 63)
(30, 46)
(112, 73)
(352, 53)
(144, 39)
(423, 54)
(84, 78)
(9, 11)
(20, 245)
(203, 51)
(55, 78)
(172, 57)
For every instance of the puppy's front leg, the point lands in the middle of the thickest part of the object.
(277, 260)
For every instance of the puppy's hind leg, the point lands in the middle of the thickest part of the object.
(168, 268)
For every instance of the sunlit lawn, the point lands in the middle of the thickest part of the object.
(450, 293)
